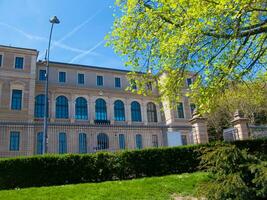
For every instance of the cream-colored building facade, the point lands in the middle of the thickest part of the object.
(89, 109)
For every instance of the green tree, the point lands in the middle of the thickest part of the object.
(221, 41)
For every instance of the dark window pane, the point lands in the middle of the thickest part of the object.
(62, 107)
(122, 141)
(136, 112)
(99, 80)
(151, 112)
(14, 141)
(19, 62)
(119, 112)
(138, 141)
(81, 110)
(100, 109)
(42, 75)
(16, 99)
(117, 82)
(180, 110)
(82, 143)
(155, 141)
(80, 78)
(62, 143)
(62, 77)
(40, 142)
(1, 60)
(102, 141)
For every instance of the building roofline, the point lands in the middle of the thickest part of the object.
(88, 66)
(14, 47)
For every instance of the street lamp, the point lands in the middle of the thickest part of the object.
(53, 20)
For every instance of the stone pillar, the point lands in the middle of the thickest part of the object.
(92, 110)
(72, 108)
(110, 108)
(52, 107)
(241, 125)
(200, 131)
(144, 112)
(128, 111)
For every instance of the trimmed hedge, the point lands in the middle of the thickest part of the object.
(77, 168)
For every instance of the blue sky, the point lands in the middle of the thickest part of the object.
(79, 38)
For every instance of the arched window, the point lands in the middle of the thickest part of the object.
(39, 142)
(81, 110)
(100, 109)
(138, 141)
(82, 143)
(136, 112)
(119, 112)
(151, 112)
(39, 106)
(62, 107)
(102, 141)
(62, 143)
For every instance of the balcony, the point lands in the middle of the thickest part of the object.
(104, 122)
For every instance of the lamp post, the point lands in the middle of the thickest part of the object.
(53, 20)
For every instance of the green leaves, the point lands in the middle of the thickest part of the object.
(216, 40)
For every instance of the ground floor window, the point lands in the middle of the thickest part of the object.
(155, 141)
(39, 143)
(82, 143)
(122, 141)
(138, 141)
(62, 145)
(14, 141)
(102, 141)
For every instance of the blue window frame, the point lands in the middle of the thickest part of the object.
(81, 110)
(117, 82)
(122, 141)
(99, 81)
(62, 77)
(119, 111)
(16, 100)
(152, 112)
(42, 75)
(192, 107)
(39, 142)
(62, 143)
(14, 141)
(136, 112)
(62, 107)
(102, 141)
(1, 60)
(19, 62)
(39, 106)
(100, 109)
(81, 79)
(138, 141)
(82, 143)
(180, 110)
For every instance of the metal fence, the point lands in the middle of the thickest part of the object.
(258, 131)
(230, 134)
(26, 138)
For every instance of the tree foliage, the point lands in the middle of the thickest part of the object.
(221, 41)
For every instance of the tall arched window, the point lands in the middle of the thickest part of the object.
(119, 112)
(151, 112)
(39, 106)
(81, 110)
(138, 141)
(136, 112)
(102, 141)
(39, 142)
(62, 143)
(100, 109)
(82, 143)
(62, 107)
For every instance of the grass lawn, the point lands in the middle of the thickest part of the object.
(145, 188)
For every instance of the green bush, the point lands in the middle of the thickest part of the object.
(63, 169)
(235, 174)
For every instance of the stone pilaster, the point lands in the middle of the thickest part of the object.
(199, 126)
(241, 124)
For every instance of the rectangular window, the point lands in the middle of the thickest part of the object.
(81, 79)
(99, 81)
(122, 141)
(19, 62)
(184, 140)
(42, 75)
(117, 82)
(149, 86)
(155, 141)
(192, 107)
(138, 141)
(16, 100)
(180, 110)
(14, 141)
(1, 60)
(62, 77)
(189, 81)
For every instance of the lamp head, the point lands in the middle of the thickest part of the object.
(54, 20)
